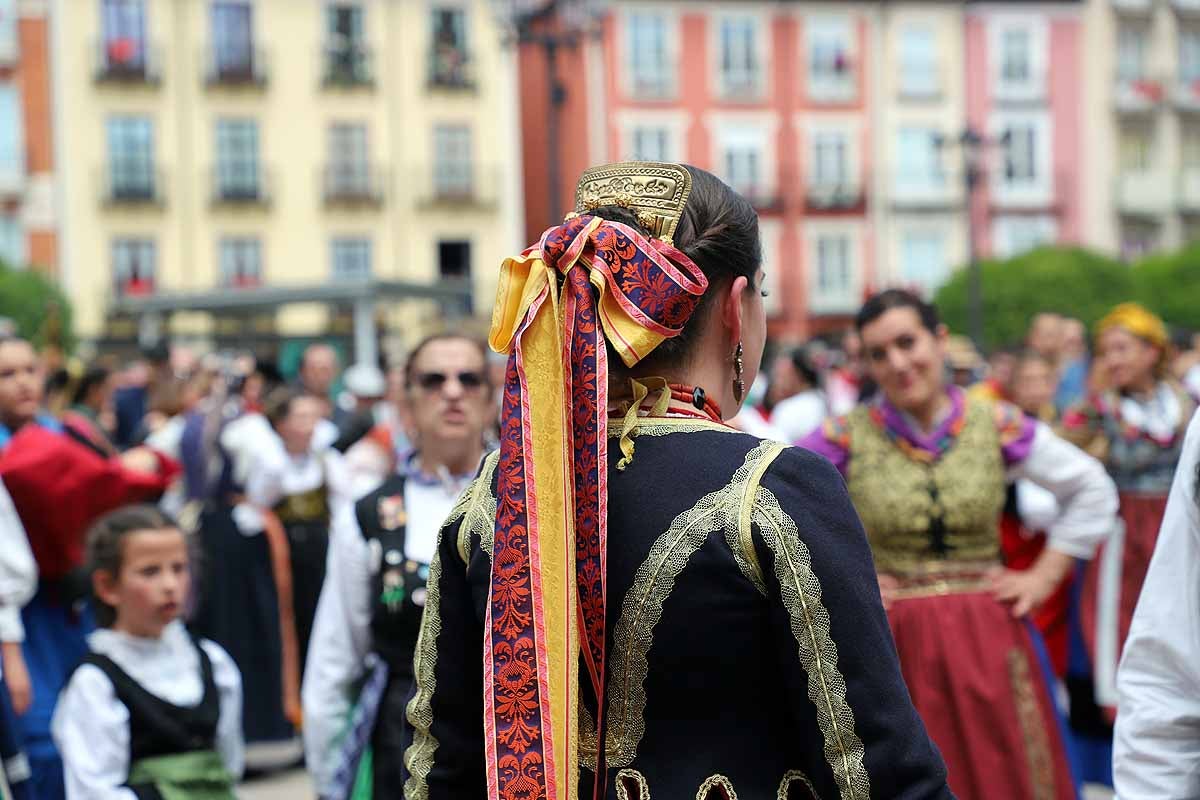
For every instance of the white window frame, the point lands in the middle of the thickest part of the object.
(930, 85)
(1192, 33)
(831, 90)
(848, 300)
(1040, 190)
(673, 122)
(934, 185)
(907, 234)
(1034, 27)
(850, 129)
(1139, 32)
(770, 232)
(629, 75)
(754, 87)
(1009, 233)
(750, 131)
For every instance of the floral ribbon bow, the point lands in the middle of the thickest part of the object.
(588, 282)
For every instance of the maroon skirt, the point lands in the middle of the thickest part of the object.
(979, 683)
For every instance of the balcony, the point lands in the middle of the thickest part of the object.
(930, 194)
(133, 186)
(352, 186)
(742, 87)
(236, 68)
(347, 66)
(835, 198)
(235, 188)
(12, 179)
(1133, 8)
(764, 199)
(652, 85)
(451, 68)
(1145, 193)
(459, 187)
(126, 61)
(833, 303)
(833, 88)
(1189, 191)
(1137, 95)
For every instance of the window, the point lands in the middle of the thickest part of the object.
(124, 24)
(918, 62)
(131, 158)
(449, 55)
(349, 171)
(12, 146)
(833, 284)
(1021, 156)
(743, 169)
(1131, 53)
(345, 44)
(232, 39)
(452, 176)
(133, 266)
(12, 241)
(351, 259)
(648, 55)
(1138, 240)
(923, 260)
(8, 30)
(454, 262)
(919, 160)
(237, 159)
(830, 72)
(1015, 235)
(740, 64)
(241, 262)
(650, 143)
(1135, 150)
(1016, 55)
(1189, 55)
(829, 159)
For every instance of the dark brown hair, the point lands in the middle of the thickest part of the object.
(719, 231)
(278, 402)
(94, 376)
(106, 545)
(885, 301)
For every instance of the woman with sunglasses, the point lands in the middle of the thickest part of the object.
(662, 606)
(367, 621)
(926, 466)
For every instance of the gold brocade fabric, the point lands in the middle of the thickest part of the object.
(904, 503)
(309, 506)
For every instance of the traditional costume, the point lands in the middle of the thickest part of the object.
(694, 619)
(18, 583)
(59, 487)
(1139, 439)
(366, 632)
(931, 503)
(1157, 743)
(151, 718)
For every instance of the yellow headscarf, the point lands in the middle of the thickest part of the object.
(1138, 321)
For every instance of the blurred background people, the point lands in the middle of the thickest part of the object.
(801, 406)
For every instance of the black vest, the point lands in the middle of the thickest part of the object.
(398, 583)
(159, 728)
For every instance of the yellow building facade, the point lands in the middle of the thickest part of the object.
(233, 145)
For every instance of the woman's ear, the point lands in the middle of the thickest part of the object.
(731, 307)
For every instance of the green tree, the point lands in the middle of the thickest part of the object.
(1169, 285)
(37, 307)
(1067, 280)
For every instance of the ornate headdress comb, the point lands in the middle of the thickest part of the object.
(655, 192)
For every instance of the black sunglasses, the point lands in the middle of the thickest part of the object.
(436, 381)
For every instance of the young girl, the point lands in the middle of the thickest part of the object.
(151, 712)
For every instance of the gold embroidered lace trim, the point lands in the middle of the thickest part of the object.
(801, 591)
(643, 605)
(419, 755)
(714, 782)
(638, 779)
(665, 426)
(790, 777)
(476, 506)
(1037, 744)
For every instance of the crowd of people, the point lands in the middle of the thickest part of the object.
(897, 567)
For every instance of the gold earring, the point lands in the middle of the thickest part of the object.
(739, 385)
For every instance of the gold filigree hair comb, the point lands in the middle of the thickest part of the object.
(655, 192)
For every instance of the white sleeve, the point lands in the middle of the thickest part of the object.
(341, 641)
(1156, 746)
(18, 570)
(91, 729)
(230, 744)
(264, 484)
(1087, 497)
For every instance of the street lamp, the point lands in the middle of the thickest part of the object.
(974, 146)
(551, 24)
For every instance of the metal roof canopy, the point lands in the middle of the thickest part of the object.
(264, 297)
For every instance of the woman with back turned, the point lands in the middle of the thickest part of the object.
(664, 607)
